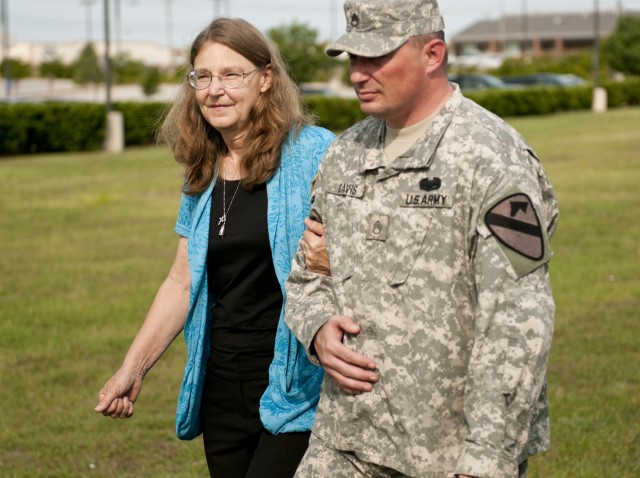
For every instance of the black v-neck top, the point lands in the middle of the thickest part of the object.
(243, 284)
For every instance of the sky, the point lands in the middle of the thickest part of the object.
(176, 22)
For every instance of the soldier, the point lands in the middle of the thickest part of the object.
(435, 325)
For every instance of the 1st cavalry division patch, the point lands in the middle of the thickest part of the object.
(513, 221)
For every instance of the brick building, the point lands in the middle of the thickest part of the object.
(538, 34)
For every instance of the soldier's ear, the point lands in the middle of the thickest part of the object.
(435, 53)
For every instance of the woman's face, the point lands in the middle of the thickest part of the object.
(228, 109)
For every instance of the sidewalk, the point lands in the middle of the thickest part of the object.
(37, 89)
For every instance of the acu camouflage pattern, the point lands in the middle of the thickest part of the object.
(323, 461)
(377, 27)
(460, 336)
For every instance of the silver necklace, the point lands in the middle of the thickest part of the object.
(223, 219)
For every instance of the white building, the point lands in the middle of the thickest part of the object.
(149, 53)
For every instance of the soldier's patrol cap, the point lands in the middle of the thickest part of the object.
(378, 27)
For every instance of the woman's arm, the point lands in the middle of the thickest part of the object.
(164, 321)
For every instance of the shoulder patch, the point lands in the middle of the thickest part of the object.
(513, 221)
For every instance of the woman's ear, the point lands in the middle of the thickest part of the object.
(266, 78)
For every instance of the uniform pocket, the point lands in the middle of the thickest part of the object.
(340, 224)
(405, 243)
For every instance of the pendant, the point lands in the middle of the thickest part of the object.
(223, 221)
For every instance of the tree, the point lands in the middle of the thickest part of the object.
(151, 80)
(86, 68)
(16, 68)
(55, 69)
(306, 58)
(126, 70)
(621, 48)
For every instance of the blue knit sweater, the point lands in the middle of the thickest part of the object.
(289, 403)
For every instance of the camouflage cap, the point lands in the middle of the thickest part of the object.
(377, 27)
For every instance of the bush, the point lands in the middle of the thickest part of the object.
(534, 101)
(623, 94)
(51, 127)
(141, 120)
(335, 114)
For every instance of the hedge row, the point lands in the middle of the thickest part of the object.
(51, 127)
(56, 127)
(547, 100)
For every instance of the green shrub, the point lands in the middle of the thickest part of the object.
(626, 93)
(335, 114)
(55, 127)
(533, 101)
(51, 127)
(141, 121)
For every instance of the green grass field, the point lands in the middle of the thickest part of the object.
(87, 238)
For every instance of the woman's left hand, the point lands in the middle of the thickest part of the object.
(315, 248)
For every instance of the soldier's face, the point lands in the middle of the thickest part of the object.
(390, 87)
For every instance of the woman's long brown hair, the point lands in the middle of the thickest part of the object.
(199, 147)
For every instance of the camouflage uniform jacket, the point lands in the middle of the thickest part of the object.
(441, 257)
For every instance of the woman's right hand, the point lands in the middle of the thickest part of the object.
(118, 394)
(164, 321)
(316, 257)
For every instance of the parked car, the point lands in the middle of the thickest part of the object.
(316, 90)
(545, 79)
(478, 81)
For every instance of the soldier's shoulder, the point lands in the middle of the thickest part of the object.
(365, 128)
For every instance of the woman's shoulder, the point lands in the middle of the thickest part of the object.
(306, 146)
(313, 134)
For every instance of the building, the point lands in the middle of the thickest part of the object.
(149, 53)
(536, 34)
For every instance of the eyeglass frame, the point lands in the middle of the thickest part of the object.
(191, 75)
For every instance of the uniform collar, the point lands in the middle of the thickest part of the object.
(420, 155)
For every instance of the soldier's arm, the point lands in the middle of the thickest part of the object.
(514, 326)
(313, 315)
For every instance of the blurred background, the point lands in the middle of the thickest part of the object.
(57, 49)
(88, 203)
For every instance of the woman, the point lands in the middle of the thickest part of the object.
(249, 156)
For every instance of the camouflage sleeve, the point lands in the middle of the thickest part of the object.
(514, 326)
(310, 300)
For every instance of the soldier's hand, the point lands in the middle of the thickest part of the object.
(352, 372)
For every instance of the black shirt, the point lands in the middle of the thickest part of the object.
(243, 284)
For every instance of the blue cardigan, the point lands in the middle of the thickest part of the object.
(289, 403)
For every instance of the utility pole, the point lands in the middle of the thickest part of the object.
(216, 8)
(114, 132)
(169, 32)
(334, 20)
(503, 27)
(107, 55)
(599, 104)
(4, 18)
(118, 26)
(88, 20)
(525, 29)
(596, 43)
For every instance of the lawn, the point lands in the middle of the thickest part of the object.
(87, 238)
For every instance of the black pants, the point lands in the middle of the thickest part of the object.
(235, 442)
